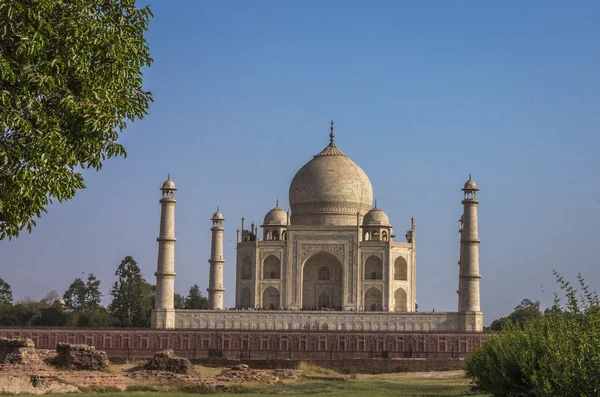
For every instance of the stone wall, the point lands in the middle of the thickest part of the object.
(329, 321)
(257, 344)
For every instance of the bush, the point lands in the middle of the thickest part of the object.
(557, 354)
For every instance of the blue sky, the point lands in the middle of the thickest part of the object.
(423, 93)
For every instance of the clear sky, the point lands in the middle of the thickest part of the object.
(423, 93)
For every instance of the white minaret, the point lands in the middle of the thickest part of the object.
(215, 283)
(469, 261)
(163, 315)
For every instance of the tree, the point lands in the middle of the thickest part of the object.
(551, 355)
(81, 296)
(51, 297)
(70, 78)
(526, 310)
(5, 292)
(132, 295)
(179, 301)
(195, 300)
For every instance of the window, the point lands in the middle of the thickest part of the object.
(323, 300)
(324, 273)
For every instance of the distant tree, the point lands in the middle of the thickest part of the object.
(8, 316)
(179, 301)
(97, 317)
(523, 312)
(132, 295)
(70, 78)
(195, 300)
(83, 295)
(51, 297)
(5, 292)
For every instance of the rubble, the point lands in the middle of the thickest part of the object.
(80, 357)
(167, 361)
(243, 373)
(18, 351)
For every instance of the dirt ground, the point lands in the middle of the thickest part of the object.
(17, 378)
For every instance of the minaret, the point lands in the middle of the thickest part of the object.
(469, 250)
(163, 315)
(215, 283)
(460, 255)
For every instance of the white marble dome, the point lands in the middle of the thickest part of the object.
(376, 217)
(330, 190)
(276, 216)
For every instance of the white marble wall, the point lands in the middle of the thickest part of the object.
(342, 321)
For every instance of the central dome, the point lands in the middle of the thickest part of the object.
(330, 190)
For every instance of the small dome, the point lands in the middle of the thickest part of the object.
(218, 216)
(376, 217)
(168, 184)
(276, 216)
(470, 185)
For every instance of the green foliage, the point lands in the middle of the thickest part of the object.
(202, 388)
(132, 295)
(70, 78)
(552, 355)
(81, 296)
(526, 310)
(195, 300)
(142, 388)
(179, 301)
(97, 317)
(5, 292)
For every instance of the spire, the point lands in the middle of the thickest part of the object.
(331, 134)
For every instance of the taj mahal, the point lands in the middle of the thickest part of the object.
(333, 262)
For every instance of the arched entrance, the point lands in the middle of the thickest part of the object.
(270, 298)
(373, 299)
(322, 282)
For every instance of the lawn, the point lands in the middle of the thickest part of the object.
(377, 386)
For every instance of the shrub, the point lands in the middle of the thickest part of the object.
(557, 354)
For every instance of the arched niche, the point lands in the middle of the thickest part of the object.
(373, 300)
(373, 268)
(271, 298)
(272, 268)
(322, 276)
(246, 298)
(400, 269)
(246, 268)
(400, 303)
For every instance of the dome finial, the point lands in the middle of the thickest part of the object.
(277, 203)
(169, 176)
(331, 134)
(375, 203)
(470, 176)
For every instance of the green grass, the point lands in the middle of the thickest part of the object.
(398, 387)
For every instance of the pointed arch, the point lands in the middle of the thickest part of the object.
(246, 268)
(373, 300)
(322, 274)
(271, 298)
(373, 268)
(272, 268)
(246, 298)
(400, 269)
(400, 301)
